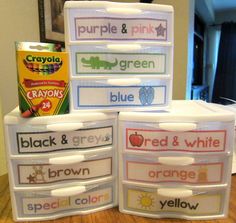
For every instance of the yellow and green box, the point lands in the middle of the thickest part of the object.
(43, 79)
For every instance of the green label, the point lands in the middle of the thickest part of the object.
(120, 63)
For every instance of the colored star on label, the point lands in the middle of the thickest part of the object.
(160, 30)
(31, 179)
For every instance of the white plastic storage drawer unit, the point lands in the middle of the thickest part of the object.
(54, 161)
(121, 55)
(176, 163)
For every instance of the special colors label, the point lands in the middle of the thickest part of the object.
(199, 173)
(42, 142)
(150, 202)
(159, 140)
(114, 96)
(114, 28)
(120, 63)
(43, 79)
(45, 173)
(49, 205)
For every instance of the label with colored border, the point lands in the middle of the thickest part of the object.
(49, 205)
(34, 174)
(120, 63)
(160, 140)
(43, 142)
(150, 202)
(112, 96)
(198, 173)
(115, 28)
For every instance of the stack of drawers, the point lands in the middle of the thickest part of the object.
(177, 163)
(61, 165)
(121, 55)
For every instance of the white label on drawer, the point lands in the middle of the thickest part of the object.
(42, 142)
(158, 140)
(45, 173)
(109, 28)
(120, 63)
(151, 202)
(111, 96)
(49, 205)
(199, 173)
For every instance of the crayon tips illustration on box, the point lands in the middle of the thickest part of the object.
(43, 81)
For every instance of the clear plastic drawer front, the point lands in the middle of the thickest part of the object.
(66, 201)
(180, 136)
(62, 136)
(118, 22)
(58, 170)
(120, 94)
(172, 170)
(122, 59)
(174, 202)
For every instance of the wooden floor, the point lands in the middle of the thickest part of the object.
(108, 216)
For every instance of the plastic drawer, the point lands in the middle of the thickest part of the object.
(164, 202)
(107, 21)
(120, 59)
(174, 170)
(116, 94)
(66, 201)
(63, 169)
(190, 126)
(72, 132)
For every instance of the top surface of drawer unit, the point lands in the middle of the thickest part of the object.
(109, 21)
(182, 111)
(14, 118)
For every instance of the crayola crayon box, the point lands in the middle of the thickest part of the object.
(43, 79)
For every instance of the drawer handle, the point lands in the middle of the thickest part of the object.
(67, 159)
(68, 191)
(124, 81)
(178, 127)
(116, 10)
(61, 127)
(126, 47)
(174, 192)
(176, 161)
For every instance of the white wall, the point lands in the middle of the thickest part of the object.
(183, 45)
(18, 22)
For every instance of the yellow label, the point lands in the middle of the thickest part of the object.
(42, 83)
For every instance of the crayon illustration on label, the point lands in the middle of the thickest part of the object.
(45, 173)
(199, 173)
(49, 205)
(120, 63)
(43, 142)
(121, 96)
(114, 28)
(160, 140)
(151, 202)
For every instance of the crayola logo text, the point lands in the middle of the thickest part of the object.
(43, 60)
